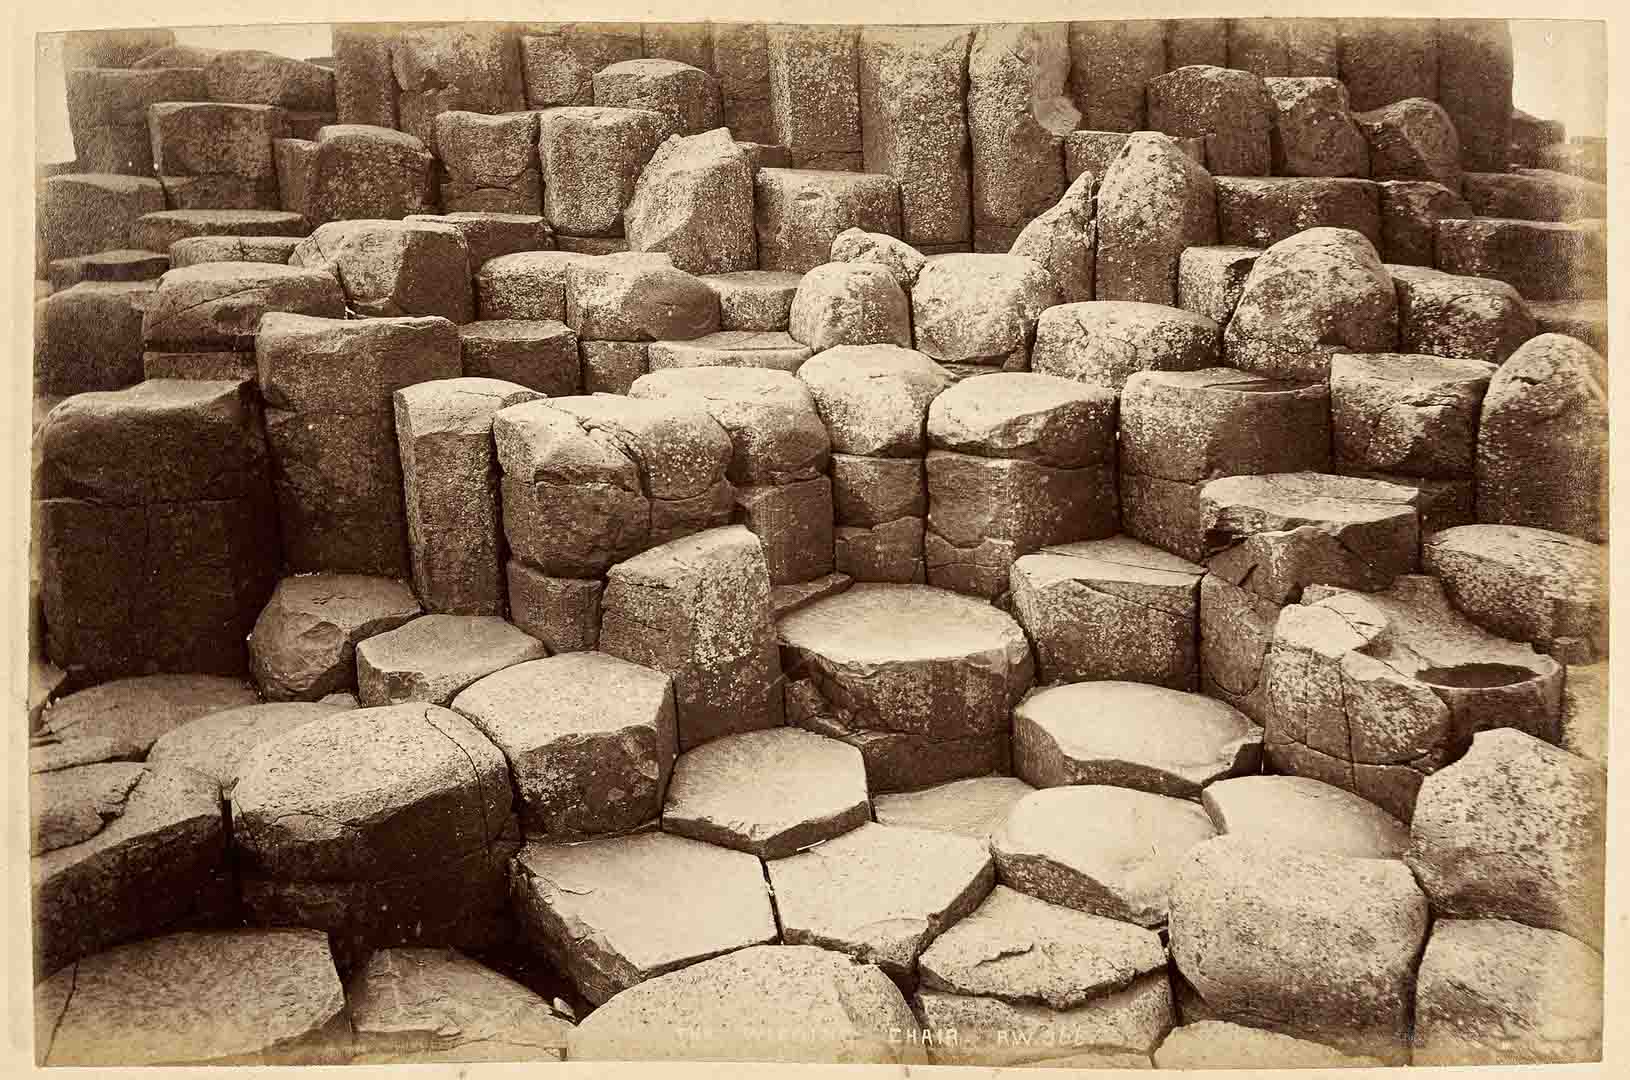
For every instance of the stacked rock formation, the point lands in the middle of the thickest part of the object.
(589, 540)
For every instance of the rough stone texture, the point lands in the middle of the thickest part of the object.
(1410, 211)
(524, 285)
(880, 893)
(1526, 584)
(874, 399)
(434, 657)
(1387, 60)
(814, 77)
(559, 60)
(411, 1006)
(158, 230)
(327, 384)
(741, 63)
(1105, 342)
(615, 912)
(799, 212)
(84, 213)
(1231, 109)
(1131, 735)
(491, 162)
(1110, 63)
(1302, 814)
(735, 1008)
(1413, 139)
(1116, 1030)
(1540, 459)
(1278, 533)
(463, 66)
(1494, 992)
(1543, 260)
(694, 200)
(768, 793)
(1474, 87)
(1312, 133)
(534, 354)
(980, 308)
(1064, 241)
(686, 96)
(360, 826)
(1265, 937)
(1371, 692)
(357, 171)
(1210, 279)
(216, 743)
(1219, 1044)
(120, 851)
(1110, 609)
(218, 306)
(698, 608)
(303, 646)
(849, 303)
(975, 807)
(1536, 194)
(589, 739)
(920, 679)
(1153, 202)
(592, 157)
(134, 712)
(637, 297)
(1316, 293)
(238, 997)
(1454, 315)
(1515, 829)
(88, 337)
(1258, 211)
(1124, 875)
(913, 128)
(563, 613)
(755, 300)
(1018, 116)
(1409, 414)
(394, 267)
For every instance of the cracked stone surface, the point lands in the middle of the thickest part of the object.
(424, 1005)
(1219, 1044)
(224, 997)
(614, 912)
(1116, 1029)
(1372, 692)
(216, 744)
(1515, 830)
(589, 739)
(1131, 735)
(1122, 872)
(737, 1008)
(974, 807)
(1025, 951)
(768, 793)
(1279, 533)
(304, 642)
(880, 893)
(434, 657)
(1304, 814)
(1318, 946)
(1495, 992)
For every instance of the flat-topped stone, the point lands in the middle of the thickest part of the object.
(769, 793)
(773, 349)
(434, 657)
(1122, 872)
(1306, 814)
(304, 643)
(1027, 416)
(217, 743)
(161, 228)
(1128, 734)
(612, 913)
(874, 399)
(135, 712)
(589, 738)
(880, 893)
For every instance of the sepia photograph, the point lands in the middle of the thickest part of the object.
(814, 537)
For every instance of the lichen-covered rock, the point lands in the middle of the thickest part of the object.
(1064, 242)
(1153, 202)
(980, 308)
(874, 399)
(1313, 133)
(1105, 342)
(694, 200)
(303, 646)
(1258, 211)
(1303, 814)
(687, 96)
(592, 157)
(1018, 115)
(798, 213)
(1516, 829)
(1409, 414)
(1412, 139)
(637, 297)
(1539, 442)
(849, 303)
(1231, 109)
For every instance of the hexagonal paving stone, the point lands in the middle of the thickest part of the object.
(880, 893)
(768, 793)
(614, 912)
(1303, 813)
(1129, 734)
(1119, 867)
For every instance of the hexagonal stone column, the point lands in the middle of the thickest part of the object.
(1130, 735)
(920, 679)
(881, 893)
(1122, 871)
(614, 912)
(590, 740)
(1305, 814)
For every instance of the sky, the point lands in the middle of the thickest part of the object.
(1561, 70)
